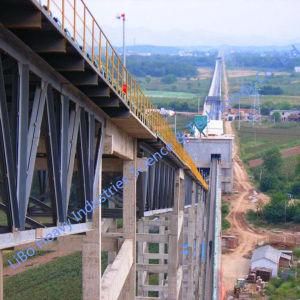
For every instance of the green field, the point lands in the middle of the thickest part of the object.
(60, 279)
(56, 280)
(182, 95)
(254, 141)
(289, 83)
(168, 94)
(294, 101)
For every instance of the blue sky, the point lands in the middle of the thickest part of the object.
(201, 22)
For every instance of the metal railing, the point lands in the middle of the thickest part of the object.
(78, 23)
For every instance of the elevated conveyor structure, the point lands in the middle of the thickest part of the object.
(80, 144)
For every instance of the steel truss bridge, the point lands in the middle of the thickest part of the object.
(73, 121)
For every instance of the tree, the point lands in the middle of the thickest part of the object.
(268, 182)
(296, 217)
(297, 170)
(270, 90)
(274, 212)
(272, 161)
(168, 79)
(296, 187)
(277, 117)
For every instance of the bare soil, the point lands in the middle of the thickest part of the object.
(293, 151)
(236, 263)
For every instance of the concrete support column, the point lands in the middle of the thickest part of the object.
(111, 255)
(91, 251)
(142, 248)
(198, 234)
(162, 231)
(176, 239)
(91, 260)
(191, 243)
(202, 212)
(129, 220)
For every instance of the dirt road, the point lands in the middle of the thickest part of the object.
(236, 263)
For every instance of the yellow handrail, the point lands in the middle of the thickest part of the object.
(87, 33)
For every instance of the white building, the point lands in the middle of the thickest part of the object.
(267, 258)
(297, 69)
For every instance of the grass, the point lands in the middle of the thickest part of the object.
(168, 94)
(292, 100)
(289, 166)
(254, 141)
(185, 92)
(254, 219)
(9, 255)
(56, 280)
(225, 212)
(296, 253)
(279, 289)
(288, 82)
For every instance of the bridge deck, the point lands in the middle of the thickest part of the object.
(67, 36)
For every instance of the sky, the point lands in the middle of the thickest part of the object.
(200, 22)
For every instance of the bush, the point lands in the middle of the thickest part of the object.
(270, 90)
(272, 160)
(169, 79)
(296, 252)
(274, 212)
(296, 187)
(268, 182)
(225, 212)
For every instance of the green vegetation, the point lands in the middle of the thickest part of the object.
(270, 90)
(165, 65)
(60, 279)
(296, 253)
(9, 255)
(280, 90)
(254, 141)
(225, 212)
(270, 60)
(277, 176)
(279, 289)
(281, 208)
(168, 79)
(56, 280)
(182, 95)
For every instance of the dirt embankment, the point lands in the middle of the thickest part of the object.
(236, 263)
(285, 153)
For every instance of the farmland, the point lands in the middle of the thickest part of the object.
(254, 141)
(181, 95)
(60, 279)
(287, 82)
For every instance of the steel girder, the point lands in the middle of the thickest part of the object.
(29, 103)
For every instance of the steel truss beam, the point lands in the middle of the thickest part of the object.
(67, 120)
(156, 186)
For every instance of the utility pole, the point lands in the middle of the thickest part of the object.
(239, 112)
(175, 123)
(122, 17)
